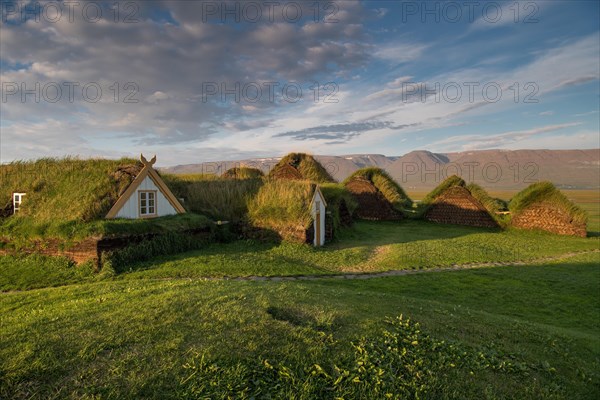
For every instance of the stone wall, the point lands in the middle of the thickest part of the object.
(372, 205)
(457, 206)
(548, 217)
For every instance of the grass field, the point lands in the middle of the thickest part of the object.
(368, 247)
(161, 330)
(535, 327)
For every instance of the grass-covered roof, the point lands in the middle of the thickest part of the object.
(388, 187)
(67, 189)
(282, 203)
(68, 198)
(306, 165)
(219, 198)
(492, 205)
(548, 193)
(449, 182)
(243, 173)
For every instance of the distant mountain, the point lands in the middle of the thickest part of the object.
(421, 169)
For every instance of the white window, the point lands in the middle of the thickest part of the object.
(147, 203)
(17, 200)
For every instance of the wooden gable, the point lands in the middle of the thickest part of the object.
(147, 177)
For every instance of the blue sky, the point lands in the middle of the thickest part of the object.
(393, 76)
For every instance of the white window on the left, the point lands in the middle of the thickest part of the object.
(147, 203)
(17, 200)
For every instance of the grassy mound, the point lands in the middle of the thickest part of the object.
(280, 204)
(340, 203)
(243, 173)
(276, 204)
(306, 165)
(68, 199)
(449, 182)
(390, 189)
(492, 205)
(68, 189)
(547, 192)
(219, 198)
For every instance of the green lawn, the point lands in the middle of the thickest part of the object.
(369, 247)
(509, 332)
(161, 331)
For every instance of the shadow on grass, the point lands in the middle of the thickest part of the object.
(263, 240)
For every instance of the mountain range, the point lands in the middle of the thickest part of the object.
(421, 169)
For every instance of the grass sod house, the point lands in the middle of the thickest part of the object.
(542, 206)
(300, 166)
(265, 208)
(292, 210)
(378, 196)
(222, 199)
(81, 208)
(455, 202)
(146, 197)
(243, 173)
(341, 205)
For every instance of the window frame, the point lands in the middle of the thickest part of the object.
(147, 206)
(17, 205)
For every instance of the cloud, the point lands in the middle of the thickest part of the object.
(340, 132)
(171, 54)
(400, 53)
(479, 142)
(168, 61)
(157, 96)
(546, 113)
(586, 113)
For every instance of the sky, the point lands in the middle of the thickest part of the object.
(195, 81)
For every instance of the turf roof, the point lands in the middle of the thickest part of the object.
(548, 193)
(243, 173)
(308, 167)
(449, 182)
(67, 189)
(68, 198)
(492, 205)
(390, 189)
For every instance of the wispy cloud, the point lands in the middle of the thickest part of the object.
(477, 142)
(341, 132)
(400, 53)
(370, 59)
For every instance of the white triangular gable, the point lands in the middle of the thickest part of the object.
(131, 208)
(148, 180)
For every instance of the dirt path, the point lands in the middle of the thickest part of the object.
(372, 275)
